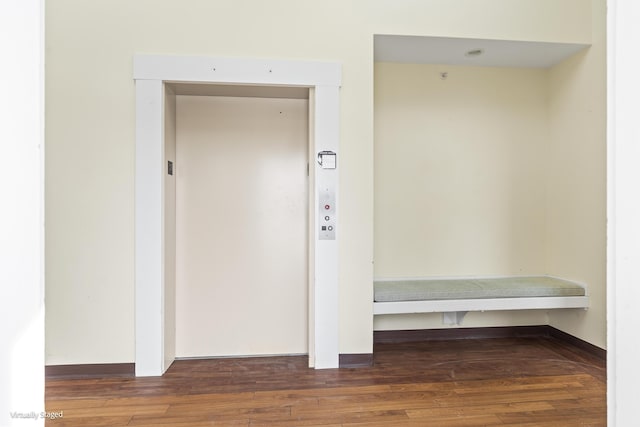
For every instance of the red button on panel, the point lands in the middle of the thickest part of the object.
(327, 207)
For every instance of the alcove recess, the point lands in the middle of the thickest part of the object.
(466, 152)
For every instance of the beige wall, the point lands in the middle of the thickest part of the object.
(459, 178)
(242, 210)
(90, 131)
(458, 167)
(576, 181)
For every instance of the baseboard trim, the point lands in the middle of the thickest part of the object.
(585, 346)
(363, 360)
(96, 370)
(402, 336)
(380, 337)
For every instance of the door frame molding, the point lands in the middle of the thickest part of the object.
(150, 73)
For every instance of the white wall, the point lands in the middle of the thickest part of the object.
(623, 253)
(21, 216)
(90, 131)
(242, 226)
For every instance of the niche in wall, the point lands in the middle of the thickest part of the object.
(461, 135)
(462, 146)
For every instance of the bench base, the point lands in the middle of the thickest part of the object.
(412, 296)
(453, 311)
(442, 306)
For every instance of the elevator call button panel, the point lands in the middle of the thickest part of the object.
(327, 214)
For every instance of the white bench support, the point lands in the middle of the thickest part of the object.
(453, 318)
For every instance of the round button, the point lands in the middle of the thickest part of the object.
(330, 228)
(327, 207)
(326, 218)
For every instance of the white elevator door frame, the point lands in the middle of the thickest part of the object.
(242, 226)
(154, 292)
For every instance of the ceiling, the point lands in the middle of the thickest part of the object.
(452, 51)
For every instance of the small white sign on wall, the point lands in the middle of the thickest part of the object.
(327, 159)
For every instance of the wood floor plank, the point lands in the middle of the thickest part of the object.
(178, 399)
(339, 418)
(463, 411)
(576, 416)
(52, 405)
(523, 384)
(451, 421)
(490, 382)
(386, 402)
(90, 421)
(296, 423)
(583, 402)
(115, 411)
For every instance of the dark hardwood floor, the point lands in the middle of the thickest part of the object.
(474, 382)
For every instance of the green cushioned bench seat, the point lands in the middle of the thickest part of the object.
(446, 289)
(454, 297)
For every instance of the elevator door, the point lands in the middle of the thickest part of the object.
(241, 226)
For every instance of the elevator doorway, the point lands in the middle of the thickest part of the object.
(241, 222)
(155, 325)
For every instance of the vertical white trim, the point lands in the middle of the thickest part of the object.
(611, 225)
(326, 136)
(149, 262)
(311, 191)
(168, 223)
(150, 73)
(623, 246)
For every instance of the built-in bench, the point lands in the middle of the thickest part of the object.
(455, 297)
